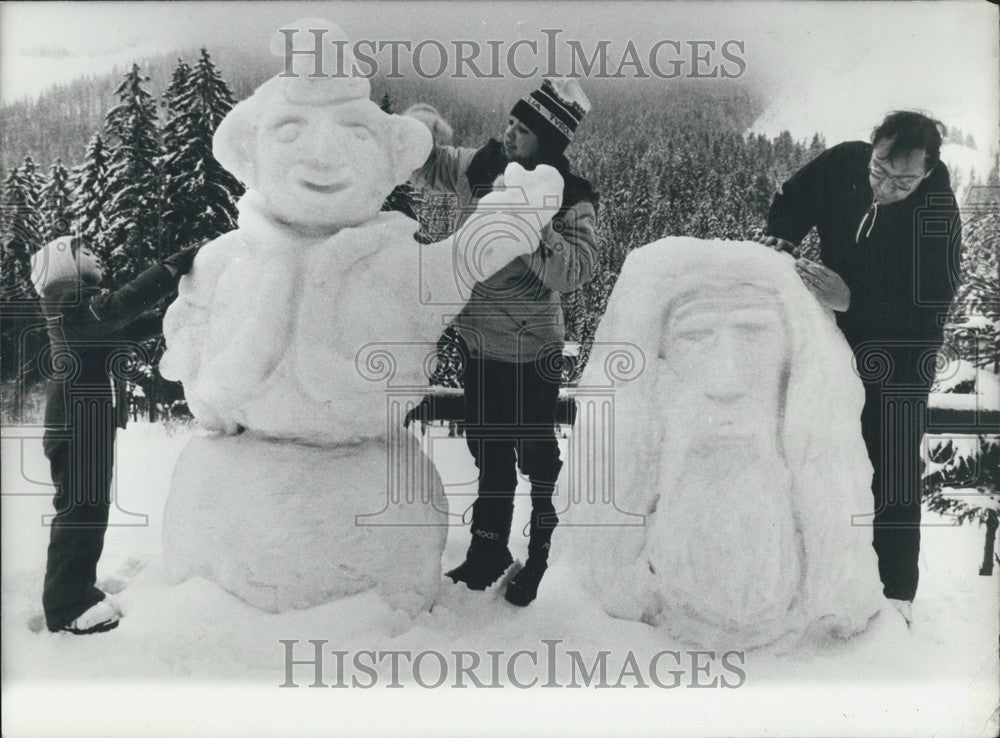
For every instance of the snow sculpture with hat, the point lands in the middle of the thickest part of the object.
(298, 335)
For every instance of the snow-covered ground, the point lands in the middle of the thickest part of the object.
(190, 659)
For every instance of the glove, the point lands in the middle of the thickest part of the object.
(180, 263)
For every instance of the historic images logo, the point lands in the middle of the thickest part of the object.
(546, 666)
(548, 56)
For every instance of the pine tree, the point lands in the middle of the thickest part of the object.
(816, 147)
(179, 82)
(22, 234)
(133, 215)
(91, 196)
(20, 238)
(31, 178)
(56, 203)
(199, 195)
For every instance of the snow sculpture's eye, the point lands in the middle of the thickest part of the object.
(361, 133)
(752, 330)
(288, 131)
(698, 335)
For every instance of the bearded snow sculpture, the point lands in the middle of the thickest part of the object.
(737, 446)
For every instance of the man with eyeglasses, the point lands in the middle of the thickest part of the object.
(889, 235)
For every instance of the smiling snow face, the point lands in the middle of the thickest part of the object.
(316, 165)
(317, 151)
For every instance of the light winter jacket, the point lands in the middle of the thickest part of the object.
(516, 315)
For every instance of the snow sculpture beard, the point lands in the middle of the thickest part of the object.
(724, 538)
(737, 567)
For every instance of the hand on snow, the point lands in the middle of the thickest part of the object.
(826, 284)
(778, 244)
(180, 263)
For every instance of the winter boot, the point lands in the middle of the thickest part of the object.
(100, 618)
(523, 587)
(484, 563)
(905, 608)
(488, 556)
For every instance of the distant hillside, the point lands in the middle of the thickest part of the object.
(62, 120)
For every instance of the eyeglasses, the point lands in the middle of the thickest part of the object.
(901, 182)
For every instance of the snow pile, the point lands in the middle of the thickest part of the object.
(721, 403)
(303, 337)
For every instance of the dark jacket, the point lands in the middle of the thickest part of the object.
(900, 260)
(517, 313)
(90, 334)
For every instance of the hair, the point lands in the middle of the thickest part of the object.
(911, 131)
(75, 244)
(551, 143)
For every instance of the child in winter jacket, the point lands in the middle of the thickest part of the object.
(90, 331)
(514, 331)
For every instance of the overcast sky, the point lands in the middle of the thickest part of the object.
(832, 67)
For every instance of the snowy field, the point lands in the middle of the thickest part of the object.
(190, 659)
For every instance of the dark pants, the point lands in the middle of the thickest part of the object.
(82, 460)
(510, 413)
(892, 424)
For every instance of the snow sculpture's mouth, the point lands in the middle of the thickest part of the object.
(324, 188)
(729, 431)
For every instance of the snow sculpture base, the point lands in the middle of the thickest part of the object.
(283, 525)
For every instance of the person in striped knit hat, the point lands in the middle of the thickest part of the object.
(514, 332)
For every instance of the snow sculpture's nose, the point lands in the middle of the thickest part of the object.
(325, 149)
(723, 380)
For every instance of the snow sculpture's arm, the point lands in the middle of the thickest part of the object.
(505, 225)
(186, 323)
(253, 335)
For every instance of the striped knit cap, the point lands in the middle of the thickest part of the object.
(553, 111)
